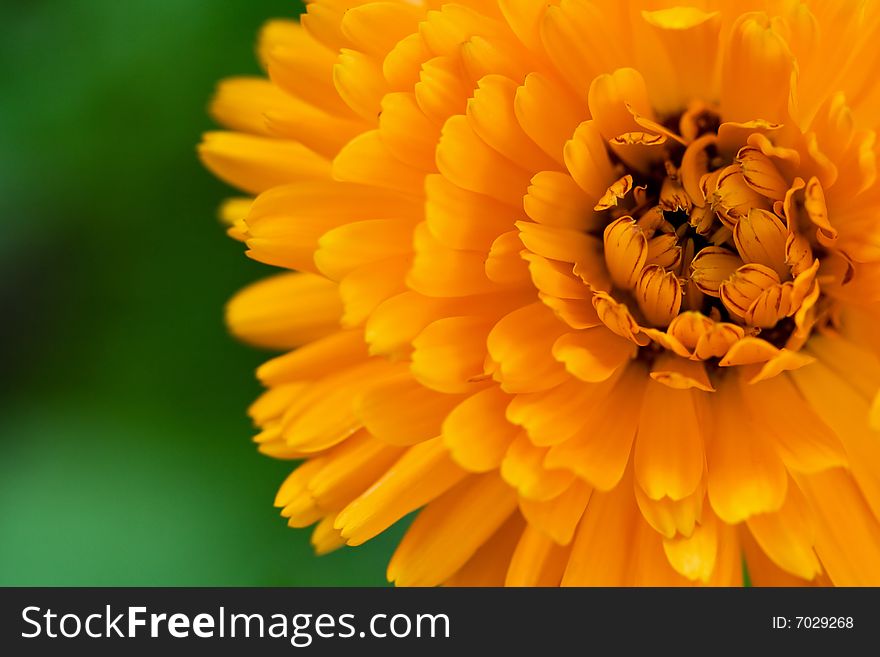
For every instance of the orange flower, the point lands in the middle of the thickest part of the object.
(593, 285)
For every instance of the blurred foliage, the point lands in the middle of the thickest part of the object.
(126, 457)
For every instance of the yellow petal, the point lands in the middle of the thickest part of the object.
(349, 469)
(663, 251)
(323, 22)
(504, 264)
(561, 244)
(617, 317)
(403, 63)
(770, 306)
(749, 351)
(718, 340)
(273, 402)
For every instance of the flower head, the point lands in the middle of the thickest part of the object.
(591, 285)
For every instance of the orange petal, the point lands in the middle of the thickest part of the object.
(449, 353)
(521, 344)
(668, 458)
(587, 160)
(746, 476)
(558, 517)
(477, 432)
(626, 252)
(658, 294)
(592, 355)
(760, 238)
(523, 468)
(465, 160)
(711, 267)
(804, 442)
(599, 452)
(537, 560)
(270, 313)
(400, 411)
(424, 472)
(787, 535)
(449, 531)
(547, 113)
(254, 164)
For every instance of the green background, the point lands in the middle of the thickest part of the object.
(125, 454)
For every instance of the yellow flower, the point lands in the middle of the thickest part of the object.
(594, 286)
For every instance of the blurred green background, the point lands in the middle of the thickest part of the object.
(125, 456)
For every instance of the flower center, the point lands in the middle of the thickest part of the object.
(705, 241)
